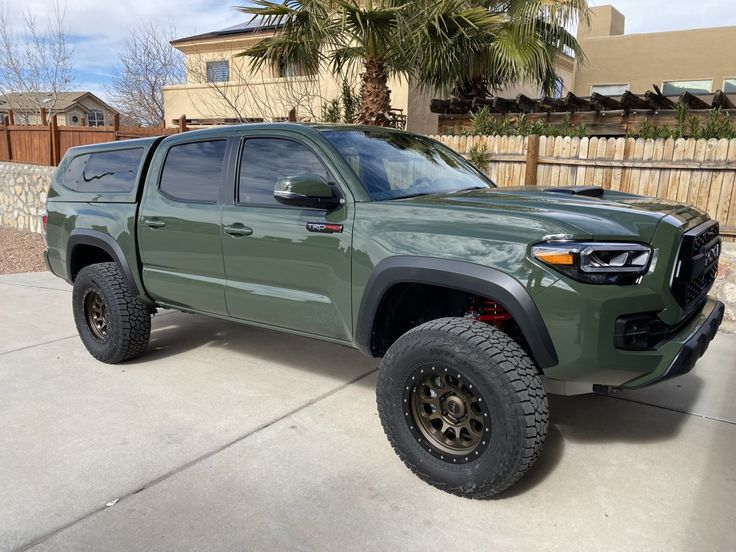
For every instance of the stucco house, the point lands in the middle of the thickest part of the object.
(71, 108)
(221, 88)
(699, 61)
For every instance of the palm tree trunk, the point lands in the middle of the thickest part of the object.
(375, 94)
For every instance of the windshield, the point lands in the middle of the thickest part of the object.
(394, 165)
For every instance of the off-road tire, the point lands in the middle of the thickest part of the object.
(502, 374)
(129, 321)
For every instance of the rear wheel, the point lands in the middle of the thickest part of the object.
(462, 405)
(113, 325)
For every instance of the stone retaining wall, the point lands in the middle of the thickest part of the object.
(23, 190)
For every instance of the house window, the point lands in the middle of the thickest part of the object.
(559, 87)
(95, 118)
(609, 89)
(729, 86)
(675, 88)
(287, 70)
(218, 71)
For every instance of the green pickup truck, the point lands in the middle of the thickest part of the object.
(479, 300)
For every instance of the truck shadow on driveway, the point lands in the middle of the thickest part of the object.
(207, 339)
(597, 420)
(577, 420)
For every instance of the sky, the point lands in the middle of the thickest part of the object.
(99, 28)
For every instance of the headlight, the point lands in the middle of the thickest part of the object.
(596, 262)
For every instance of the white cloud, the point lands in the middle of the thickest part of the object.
(100, 29)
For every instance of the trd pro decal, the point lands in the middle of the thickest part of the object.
(324, 227)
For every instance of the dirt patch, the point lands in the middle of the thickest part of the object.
(20, 251)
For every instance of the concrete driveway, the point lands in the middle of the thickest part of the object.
(224, 437)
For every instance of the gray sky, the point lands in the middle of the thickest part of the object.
(99, 28)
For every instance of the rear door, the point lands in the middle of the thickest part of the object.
(283, 270)
(179, 226)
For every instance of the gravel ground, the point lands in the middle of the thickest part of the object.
(20, 251)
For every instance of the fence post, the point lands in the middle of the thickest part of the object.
(292, 115)
(183, 123)
(44, 120)
(8, 149)
(532, 158)
(11, 117)
(115, 126)
(55, 146)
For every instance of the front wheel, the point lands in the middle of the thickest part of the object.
(113, 325)
(462, 405)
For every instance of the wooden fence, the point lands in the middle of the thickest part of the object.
(698, 172)
(47, 144)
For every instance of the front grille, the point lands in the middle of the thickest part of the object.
(697, 264)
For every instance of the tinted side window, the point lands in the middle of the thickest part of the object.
(266, 160)
(194, 172)
(104, 172)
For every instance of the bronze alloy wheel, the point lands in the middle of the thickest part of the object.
(447, 414)
(96, 314)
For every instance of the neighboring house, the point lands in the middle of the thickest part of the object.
(700, 61)
(220, 88)
(71, 108)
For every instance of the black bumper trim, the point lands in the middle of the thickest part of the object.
(693, 348)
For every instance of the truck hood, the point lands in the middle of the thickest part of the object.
(613, 215)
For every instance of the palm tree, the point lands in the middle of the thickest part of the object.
(520, 42)
(338, 34)
(464, 45)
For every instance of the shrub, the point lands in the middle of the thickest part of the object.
(478, 156)
(484, 123)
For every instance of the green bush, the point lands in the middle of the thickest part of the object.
(478, 156)
(717, 125)
(343, 109)
(483, 122)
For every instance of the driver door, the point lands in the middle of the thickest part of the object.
(283, 270)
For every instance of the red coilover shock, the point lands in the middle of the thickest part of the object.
(488, 311)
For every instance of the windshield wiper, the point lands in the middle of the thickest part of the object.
(419, 194)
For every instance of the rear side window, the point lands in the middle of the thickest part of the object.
(194, 171)
(266, 160)
(104, 172)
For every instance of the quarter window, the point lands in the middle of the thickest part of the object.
(105, 172)
(675, 88)
(218, 71)
(266, 160)
(194, 171)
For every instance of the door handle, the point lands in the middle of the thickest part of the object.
(237, 230)
(154, 223)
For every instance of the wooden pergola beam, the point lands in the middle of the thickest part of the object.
(721, 101)
(658, 101)
(602, 103)
(632, 101)
(693, 102)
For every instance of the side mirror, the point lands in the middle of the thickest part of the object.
(307, 190)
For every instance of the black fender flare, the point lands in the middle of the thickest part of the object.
(107, 243)
(463, 276)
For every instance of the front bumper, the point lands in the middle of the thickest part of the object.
(582, 324)
(691, 350)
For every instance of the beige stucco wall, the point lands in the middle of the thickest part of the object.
(641, 60)
(260, 94)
